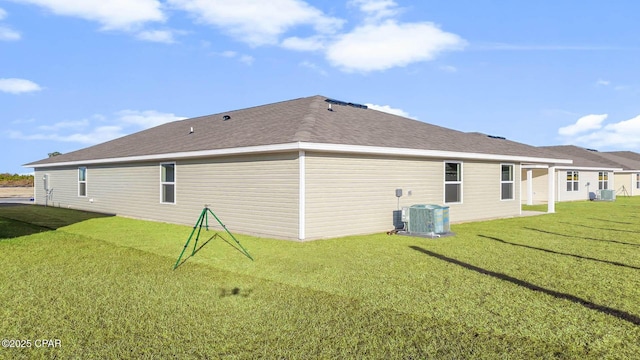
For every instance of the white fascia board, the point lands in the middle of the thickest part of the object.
(379, 150)
(585, 168)
(321, 147)
(534, 166)
(181, 155)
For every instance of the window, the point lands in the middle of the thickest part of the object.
(452, 182)
(168, 183)
(638, 181)
(506, 182)
(572, 181)
(82, 181)
(603, 180)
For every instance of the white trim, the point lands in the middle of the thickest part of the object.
(297, 146)
(529, 187)
(561, 168)
(575, 173)
(534, 166)
(175, 183)
(86, 176)
(302, 191)
(551, 199)
(512, 182)
(459, 182)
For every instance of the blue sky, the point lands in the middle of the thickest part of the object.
(77, 72)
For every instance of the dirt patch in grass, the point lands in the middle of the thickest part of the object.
(11, 192)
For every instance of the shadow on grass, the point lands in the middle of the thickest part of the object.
(21, 220)
(597, 228)
(581, 237)
(622, 315)
(611, 221)
(234, 292)
(560, 253)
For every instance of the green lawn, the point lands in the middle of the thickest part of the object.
(564, 285)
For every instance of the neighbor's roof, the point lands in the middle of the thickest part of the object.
(584, 158)
(630, 162)
(304, 121)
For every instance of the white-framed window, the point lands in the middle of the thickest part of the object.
(573, 184)
(506, 182)
(603, 180)
(638, 181)
(82, 181)
(452, 182)
(168, 183)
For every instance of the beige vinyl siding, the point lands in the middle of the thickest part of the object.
(481, 197)
(255, 194)
(628, 181)
(540, 178)
(353, 194)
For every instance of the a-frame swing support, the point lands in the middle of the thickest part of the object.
(203, 221)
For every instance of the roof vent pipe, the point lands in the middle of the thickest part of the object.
(330, 109)
(191, 130)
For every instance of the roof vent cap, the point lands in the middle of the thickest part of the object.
(226, 117)
(497, 137)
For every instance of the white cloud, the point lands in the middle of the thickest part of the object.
(65, 125)
(146, 119)
(621, 135)
(314, 67)
(376, 10)
(258, 22)
(449, 68)
(603, 82)
(112, 14)
(18, 86)
(161, 36)
(243, 58)
(584, 124)
(390, 44)
(3, 14)
(8, 34)
(92, 131)
(312, 43)
(246, 59)
(390, 110)
(98, 135)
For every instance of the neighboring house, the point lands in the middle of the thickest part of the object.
(581, 180)
(302, 169)
(628, 179)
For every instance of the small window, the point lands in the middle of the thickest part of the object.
(572, 181)
(168, 183)
(638, 181)
(603, 180)
(82, 181)
(506, 182)
(452, 182)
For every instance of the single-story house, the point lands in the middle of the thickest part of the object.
(628, 179)
(302, 169)
(580, 180)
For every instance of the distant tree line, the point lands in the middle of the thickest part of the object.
(7, 179)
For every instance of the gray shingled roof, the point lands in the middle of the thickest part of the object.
(299, 120)
(582, 157)
(631, 162)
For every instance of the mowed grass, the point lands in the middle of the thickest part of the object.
(562, 285)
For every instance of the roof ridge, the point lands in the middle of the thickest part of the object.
(308, 121)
